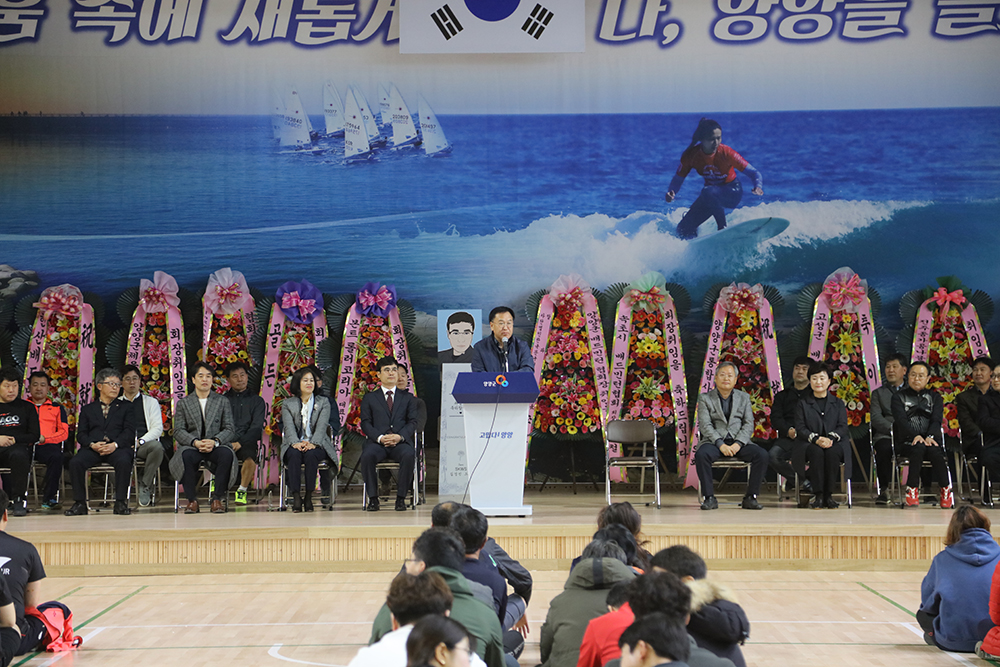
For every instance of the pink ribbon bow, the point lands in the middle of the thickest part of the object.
(160, 295)
(64, 299)
(651, 297)
(944, 299)
(736, 297)
(232, 293)
(292, 299)
(844, 292)
(380, 299)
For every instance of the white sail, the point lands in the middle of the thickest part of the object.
(295, 130)
(435, 142)
(355, 136)
(333, 110)
(366, 114)
(404, 132)
(277, 115)
(384, 108)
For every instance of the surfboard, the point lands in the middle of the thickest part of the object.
(748, 232)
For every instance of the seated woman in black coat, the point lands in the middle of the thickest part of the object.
(821, 421)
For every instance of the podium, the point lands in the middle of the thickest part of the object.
(496, 408)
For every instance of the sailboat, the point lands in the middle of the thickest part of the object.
(404, 132)
(356, 145)
(333, 111)
(375, 138)
(435, 143)
(384, 108)
(295, 128)
(277, 115)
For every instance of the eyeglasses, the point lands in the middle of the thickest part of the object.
(113, 385)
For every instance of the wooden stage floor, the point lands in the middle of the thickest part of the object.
(252, 539)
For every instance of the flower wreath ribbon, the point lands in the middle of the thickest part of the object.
(66, 300)
(844, 290)
(160, 296)
(650, 294)
(227, 293)
(573, 290)
(275, 333)
(925, 324)
(372, 300)
(731, 300)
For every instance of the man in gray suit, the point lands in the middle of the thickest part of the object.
(725, 421)
(203, 431)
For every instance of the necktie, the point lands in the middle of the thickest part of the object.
(388, 400)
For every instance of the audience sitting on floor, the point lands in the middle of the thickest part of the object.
(106, 434)
(583, 599)
(18, 433)
(203, 431)
(148, 420)
(989, 648)
(653, 641)
(917, 413)
(441, 550)
(410, 598)
(787, 454)
(438, 641)
(54, 428)
(967, 405)
(955, 595)
(881, 415)
(718, 623)
(22, 575)
(624, 514)
(725, 425)
(600, 640)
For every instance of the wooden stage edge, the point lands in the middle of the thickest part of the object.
(781, 537)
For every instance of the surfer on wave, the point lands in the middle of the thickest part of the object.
(717, 163)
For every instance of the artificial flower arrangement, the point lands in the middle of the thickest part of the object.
(948, 335)
(742, 332)
(62, 344)
(570, 362)
(647, 361)
(228, 323)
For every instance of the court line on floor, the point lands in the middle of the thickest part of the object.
(918, 631)
(887, 599)
(59, 656)
(274, 652)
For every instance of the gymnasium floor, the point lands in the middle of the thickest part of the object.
(817, 619)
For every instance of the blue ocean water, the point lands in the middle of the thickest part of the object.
(901, 196)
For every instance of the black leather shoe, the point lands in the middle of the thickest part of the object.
(296, 502)
(373, 505)
(710, 503)
(750, 503)
(401, 504)
(830, 503)
(77, 509)
(817, 502)
(121, 508)
(307, 504)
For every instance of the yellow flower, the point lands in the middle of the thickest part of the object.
(571, 429)
(556, 358)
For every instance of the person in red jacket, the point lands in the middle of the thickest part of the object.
(717, 164)
(54, 431)
(989, 648)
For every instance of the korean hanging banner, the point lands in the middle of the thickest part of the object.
(571, 366)
(62, 346)
(156, 339)
(227, 322)
(373, 330)
(742, 332)
(843, 335)
(647, 366)
(296, 327)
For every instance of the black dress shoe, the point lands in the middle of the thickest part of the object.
(817, 502)
(121, 508)
(750, 503)
(296, 502)
(401, 504)
(307, 504)
(373, 505)
(829, 502)
(710, 503)
(77, 509)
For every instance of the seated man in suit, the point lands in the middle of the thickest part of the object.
(203, 431)
(106, 433)
(725, 422)
(917, 413)
(788, 455)
(389, 420)
(881, 410)
(501, 352)
(968, 406)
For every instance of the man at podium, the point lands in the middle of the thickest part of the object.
(501, 352)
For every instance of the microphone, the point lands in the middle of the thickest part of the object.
(503, 341)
